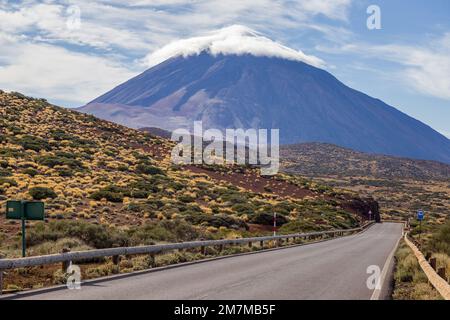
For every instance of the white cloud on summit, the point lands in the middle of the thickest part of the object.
(238, 40)
(115, 36)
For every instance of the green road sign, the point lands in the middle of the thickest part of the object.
(28, 210)
(24, 210)
(34, 210)
(14, 210)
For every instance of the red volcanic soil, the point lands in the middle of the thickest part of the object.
(251, 181)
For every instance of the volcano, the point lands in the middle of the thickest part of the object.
(240, 79)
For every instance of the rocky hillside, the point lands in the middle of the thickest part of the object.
(321, 159)
(95, 172)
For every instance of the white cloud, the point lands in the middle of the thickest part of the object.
(45, 58)
(424, 68)
(53, 72)
(146, 24)
(237, 40)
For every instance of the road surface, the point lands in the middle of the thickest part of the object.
(334, 269)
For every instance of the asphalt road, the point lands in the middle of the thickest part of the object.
(334, 269)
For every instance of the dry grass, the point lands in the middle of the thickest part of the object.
(410, 281)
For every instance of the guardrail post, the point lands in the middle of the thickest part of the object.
(433, 263)
(1, 281)
(441, 273)
(151, 260)
(65, 264)
(250, 244)
(202, 248)
(116, 261)
(261, 244)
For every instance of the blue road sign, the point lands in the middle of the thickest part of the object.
(420, 215)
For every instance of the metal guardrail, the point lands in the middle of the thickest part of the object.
(68, 257)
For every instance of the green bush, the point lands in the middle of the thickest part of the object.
(60, 135)
(267, 219)
(97, 236)
(218, 220)
(244, 208)
(166, 230)
(148, 169)
(33, 143)
(11, 182)
(299, 226)
(440, 241)
(63, 159)
(39, 193)
(108, 195)
(5, 172)
(31, 172)
(64, 172)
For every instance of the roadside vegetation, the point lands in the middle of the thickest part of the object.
(105, 185)
(410, 281)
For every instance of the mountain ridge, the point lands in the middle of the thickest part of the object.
(324, 160)
(307, 104)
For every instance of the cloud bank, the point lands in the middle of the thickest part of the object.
(236, 39)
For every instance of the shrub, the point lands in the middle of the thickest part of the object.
(218, 220)
(299, 226)
(108, 195)
(267, 219)
(244, 208)
(165, 230)
(11, 182)
(440, 241)
(97, 236)
(33, 143)
(5, 172)
(61, 160)
(60, 135)
(64, 172)
(148, 169)
(39, 193)
(31, 172)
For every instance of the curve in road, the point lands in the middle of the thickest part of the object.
(335, 269)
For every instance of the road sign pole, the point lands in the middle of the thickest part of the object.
(274, 224)
(24, 245)
(25, 210)
(420, 232)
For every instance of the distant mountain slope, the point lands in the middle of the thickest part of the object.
(157, 132)
(321, 159)
(95, 171)
(307, 104)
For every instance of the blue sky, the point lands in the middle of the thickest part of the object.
(45, 52)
